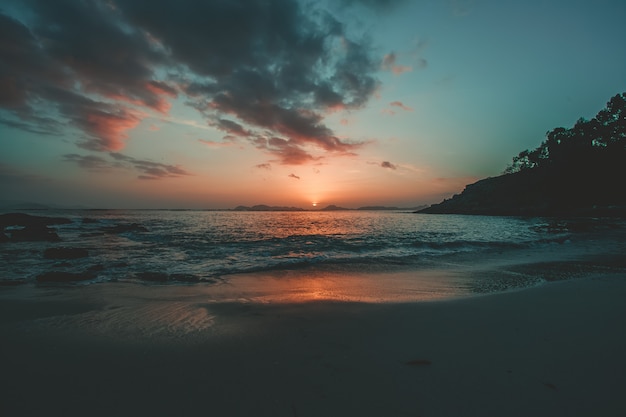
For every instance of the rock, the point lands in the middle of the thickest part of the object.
(124, 228)
(34, 234)
(164, 277)
(419, 362)
(26, 220)
(152, 276)
(65, 253)
(62, 276)
(24, 227)
(190, 278)
(12, 282)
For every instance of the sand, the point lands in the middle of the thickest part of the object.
(134, 350)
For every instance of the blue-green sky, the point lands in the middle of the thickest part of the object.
(212, 104)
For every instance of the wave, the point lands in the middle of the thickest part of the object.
(189, 247)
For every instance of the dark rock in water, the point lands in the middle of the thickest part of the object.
(89, 220)
(62, 276)
(29, 228)
(12, 282)
(26, 220)
(152, 276)
(184, 278)
(34, 234)
(96, 268)
(65, 253)
(124, 228)
(3, 237)
(163, 277)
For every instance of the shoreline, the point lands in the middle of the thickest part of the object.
(552, 350)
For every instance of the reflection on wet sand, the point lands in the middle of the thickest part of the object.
(298, 287)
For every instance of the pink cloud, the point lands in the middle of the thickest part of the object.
(215, 144)
(400, 105)
(108, 129)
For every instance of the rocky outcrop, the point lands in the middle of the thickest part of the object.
(20, 227)
(65, 253)
(538, 192)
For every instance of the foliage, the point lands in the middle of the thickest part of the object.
(587, 144)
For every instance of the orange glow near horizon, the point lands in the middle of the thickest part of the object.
(344, 182)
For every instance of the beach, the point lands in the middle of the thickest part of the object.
(130, 350)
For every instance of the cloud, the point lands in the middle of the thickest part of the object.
(376, 5)
(146, 169)
(294, 176)
(264, 166)
(253, 68)
(89, 162)
(288, 151)
(151, 170)
(396, 104)
(217, 145)
(389, 64)
(388, 165)
(400, 105)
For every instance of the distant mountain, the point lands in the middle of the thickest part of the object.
(578, 171)
(22, 205)
(375, 208)
(383, 208)
(263, 207)
(7, 205)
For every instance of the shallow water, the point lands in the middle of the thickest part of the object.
(179, 247)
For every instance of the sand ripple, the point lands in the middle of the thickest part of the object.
(146, 320)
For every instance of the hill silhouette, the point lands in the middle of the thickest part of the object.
(575, 171)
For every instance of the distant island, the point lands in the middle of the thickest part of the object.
(332, 207)
(263, 207)
(574, 172)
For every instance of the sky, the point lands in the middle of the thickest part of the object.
(220, 103)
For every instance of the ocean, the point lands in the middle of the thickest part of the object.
(157, 247)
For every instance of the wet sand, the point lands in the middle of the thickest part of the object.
(133, 350)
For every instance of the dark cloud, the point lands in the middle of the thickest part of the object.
(73, 63)
(264, 166)
(388, 165)
(294, 176)
(232, 128)
(254, 68)
(377, 5)
(89, 162)
(151, 170)
(288, 151)
(147, 169)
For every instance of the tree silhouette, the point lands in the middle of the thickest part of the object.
(588, 144)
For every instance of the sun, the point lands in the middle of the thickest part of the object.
(315, 204)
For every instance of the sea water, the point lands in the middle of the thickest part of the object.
(209, 246)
